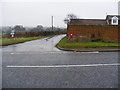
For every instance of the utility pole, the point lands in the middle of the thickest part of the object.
(52, 31)
(52, 23)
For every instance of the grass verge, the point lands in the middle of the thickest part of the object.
(64, 43)
(9, 41)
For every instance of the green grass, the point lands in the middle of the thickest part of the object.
(64, 43)
(8, 41)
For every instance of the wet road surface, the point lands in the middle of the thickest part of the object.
(38, 64)
(40, 45)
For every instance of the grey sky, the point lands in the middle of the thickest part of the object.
(39, 13)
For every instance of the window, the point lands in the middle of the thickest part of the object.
(114, 20)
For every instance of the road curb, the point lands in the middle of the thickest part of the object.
(75, 50)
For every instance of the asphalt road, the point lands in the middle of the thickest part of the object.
(38, 64)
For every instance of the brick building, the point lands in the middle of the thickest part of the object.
(95, 29)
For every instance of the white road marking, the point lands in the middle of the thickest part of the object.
(11, 53)
(55, 52)
(91, 52)
(64, 66)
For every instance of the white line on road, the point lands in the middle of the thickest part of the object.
(64, 66)
(55, 52)
(91, 52)
(11, 53)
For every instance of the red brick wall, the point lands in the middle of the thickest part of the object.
(93, 32)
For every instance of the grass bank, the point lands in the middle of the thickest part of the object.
(9, 41)
(64, 43)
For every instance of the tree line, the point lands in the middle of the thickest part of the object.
(39, 30)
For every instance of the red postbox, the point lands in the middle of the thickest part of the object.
(71, 35)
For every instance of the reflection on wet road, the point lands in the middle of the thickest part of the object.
(45, 44)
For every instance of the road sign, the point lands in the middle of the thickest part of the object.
(12, 33)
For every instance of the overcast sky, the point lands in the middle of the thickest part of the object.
(34, 12)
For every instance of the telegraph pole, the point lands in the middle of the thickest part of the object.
(52, 23)
(52, 31)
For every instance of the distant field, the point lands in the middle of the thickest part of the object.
(64, 43)
(5, 39)
(8, 41)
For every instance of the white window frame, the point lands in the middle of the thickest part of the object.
(112, 20)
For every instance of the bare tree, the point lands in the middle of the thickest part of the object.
(70, 16)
